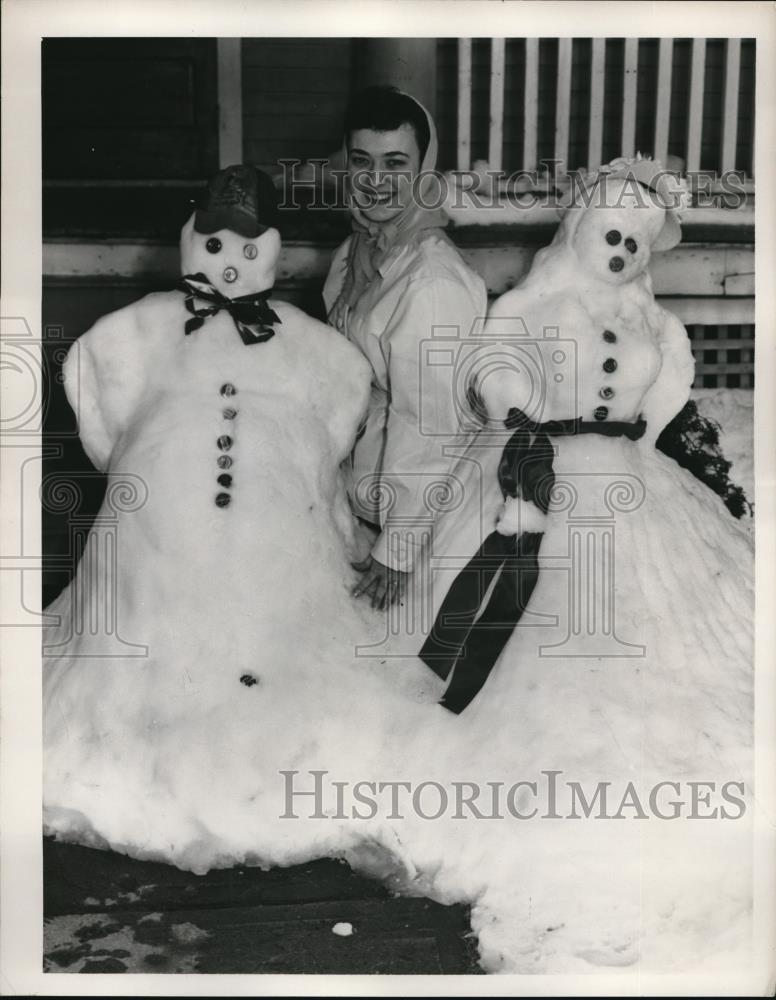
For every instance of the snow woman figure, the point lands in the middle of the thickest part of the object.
(390, 284)
(582, 551)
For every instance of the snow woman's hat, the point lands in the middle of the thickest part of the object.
(240, 198)
(663, 188)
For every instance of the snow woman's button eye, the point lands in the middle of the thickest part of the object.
(230, 274)
(251, 251)
(616, 264)
(631, 245)
(224, 442)
(609, 337)
(606, 393)
(601, 412)
(223, 500)
(224, 462)
(610, 365)
(213, 245)
(613, 237)
(227, 389)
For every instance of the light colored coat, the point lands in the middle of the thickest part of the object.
(424, 293)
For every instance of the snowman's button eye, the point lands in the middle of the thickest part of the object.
(616, 264)
(251, 251)
(631, 245)
(613, 237)
(213, 245)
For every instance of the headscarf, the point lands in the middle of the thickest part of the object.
(373, 243)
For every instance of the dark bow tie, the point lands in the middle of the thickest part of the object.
(246, 311)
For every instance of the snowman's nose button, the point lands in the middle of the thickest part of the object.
(613, 237)
(251, 251)
(230, 274)
(631, 245)
(610, 365)
(213, 245)
(227, 389)
(609, 337)
(616, 264)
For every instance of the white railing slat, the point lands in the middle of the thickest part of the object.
(663, 107)
(730, 112)
(629, 91)
(563, 103)
(464, 158)
(496, 127)
(596, 134)
(530, 104)
(695, 113)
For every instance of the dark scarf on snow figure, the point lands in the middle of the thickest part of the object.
(467, 639)
(373, 243)
(246, 310)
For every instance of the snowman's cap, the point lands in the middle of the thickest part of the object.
(240, 198)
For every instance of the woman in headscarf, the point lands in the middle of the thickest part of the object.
(391, 283)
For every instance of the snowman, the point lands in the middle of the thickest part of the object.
(222, 552)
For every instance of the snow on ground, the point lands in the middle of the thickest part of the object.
(733, 409)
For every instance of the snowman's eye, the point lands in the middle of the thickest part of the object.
(213, 245)
(613, 237)
(250, 250)
(631, 245)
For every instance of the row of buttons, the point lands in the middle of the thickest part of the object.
(610, 364)
(225, 443)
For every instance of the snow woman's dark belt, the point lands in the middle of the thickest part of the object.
(467, 638)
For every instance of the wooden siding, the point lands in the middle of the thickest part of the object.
(294, 96)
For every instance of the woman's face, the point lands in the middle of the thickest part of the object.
(381, 169)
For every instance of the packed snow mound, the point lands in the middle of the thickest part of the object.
(235, 705)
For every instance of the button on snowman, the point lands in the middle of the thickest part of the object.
(227, 256)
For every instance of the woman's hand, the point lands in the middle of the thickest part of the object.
(384, 585)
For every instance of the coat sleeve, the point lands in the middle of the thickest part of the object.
(671, 390)
(424, 414)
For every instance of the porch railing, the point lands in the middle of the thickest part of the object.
(692, 99)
